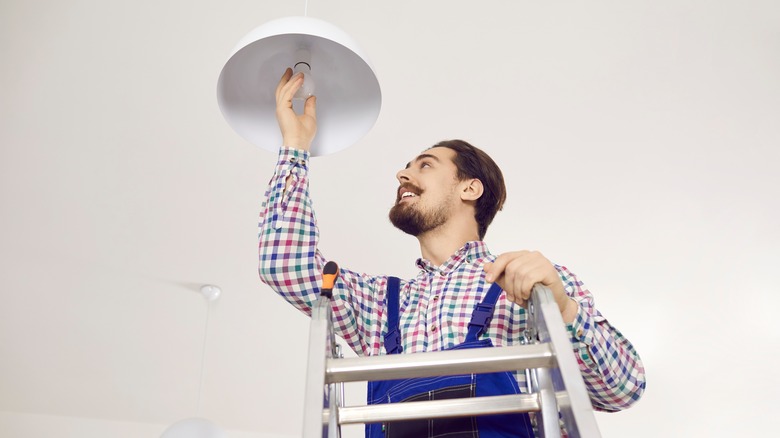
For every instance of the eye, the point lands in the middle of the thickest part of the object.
(424, 164)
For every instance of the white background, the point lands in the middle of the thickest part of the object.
(639, 141)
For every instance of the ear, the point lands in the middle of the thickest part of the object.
(471, 189)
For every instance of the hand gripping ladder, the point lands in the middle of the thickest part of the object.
(555, 384)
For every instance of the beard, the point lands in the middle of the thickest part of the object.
(410, 220)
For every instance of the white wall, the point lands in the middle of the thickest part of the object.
(639, 140)
(16, 425)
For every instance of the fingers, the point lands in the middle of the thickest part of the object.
(496, 274)
(516, 279)
(285, 78)
(287, 88)
(310, 108)
(527, 271)
(518, 272)
(499, 266)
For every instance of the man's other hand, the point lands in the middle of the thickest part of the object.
(517, 273)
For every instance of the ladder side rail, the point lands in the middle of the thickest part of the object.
(439, 363)
(335, 396)
(548, 424)
(576, 409)
(334, 426)
(320, 347)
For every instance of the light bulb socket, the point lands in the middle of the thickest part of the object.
(301, 62)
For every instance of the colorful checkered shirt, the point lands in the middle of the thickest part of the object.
(436, 305)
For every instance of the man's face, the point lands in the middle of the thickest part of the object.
(427, 192)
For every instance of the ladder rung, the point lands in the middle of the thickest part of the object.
(501, 404)
(439, 363)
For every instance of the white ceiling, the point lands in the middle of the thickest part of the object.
(639, 142)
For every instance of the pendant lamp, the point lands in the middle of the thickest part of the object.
(347, 89)
(197, 427)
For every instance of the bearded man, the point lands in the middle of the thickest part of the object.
(447, 197)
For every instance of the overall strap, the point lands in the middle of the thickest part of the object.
(483, 313)
(393, 335)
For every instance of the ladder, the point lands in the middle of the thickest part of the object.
(555, 385)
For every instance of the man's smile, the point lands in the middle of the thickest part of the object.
(407, 192)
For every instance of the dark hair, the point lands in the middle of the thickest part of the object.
(472, 162)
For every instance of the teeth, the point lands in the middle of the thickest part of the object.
(407, 195)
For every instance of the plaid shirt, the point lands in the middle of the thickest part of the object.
(436, 305)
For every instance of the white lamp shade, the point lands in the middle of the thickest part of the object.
(347, 90)
(193, 428)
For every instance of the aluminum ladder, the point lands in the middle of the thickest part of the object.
(555, 385)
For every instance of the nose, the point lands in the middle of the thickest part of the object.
(402, 175)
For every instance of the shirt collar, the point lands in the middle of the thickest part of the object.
(467, 253)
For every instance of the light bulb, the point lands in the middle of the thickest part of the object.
(210, 292)
(304, 66)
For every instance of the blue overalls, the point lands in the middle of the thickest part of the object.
(447, 387)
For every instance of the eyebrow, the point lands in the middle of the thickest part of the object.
(422, 157)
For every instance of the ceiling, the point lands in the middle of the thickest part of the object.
(639, 142)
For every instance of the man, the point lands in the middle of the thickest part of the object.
(447, 198)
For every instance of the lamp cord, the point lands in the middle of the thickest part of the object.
(203, 356)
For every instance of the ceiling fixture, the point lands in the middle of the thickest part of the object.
(197, 427)
(347, 89)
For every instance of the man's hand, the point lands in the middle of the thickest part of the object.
(517, 273)
(298, 130)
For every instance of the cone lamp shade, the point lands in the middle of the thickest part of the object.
(347, 89)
